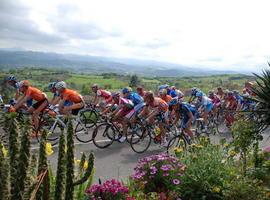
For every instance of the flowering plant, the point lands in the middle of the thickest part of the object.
(158, 173)
(110, 189)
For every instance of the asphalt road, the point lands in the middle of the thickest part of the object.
(119, 160)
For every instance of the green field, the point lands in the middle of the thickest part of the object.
(82, 82)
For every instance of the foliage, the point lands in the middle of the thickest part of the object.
(134, 81)
(263, 98)
(110, 189)
(158, 173)
(207, 171)
(245, 135)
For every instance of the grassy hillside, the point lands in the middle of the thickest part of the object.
(81, 82)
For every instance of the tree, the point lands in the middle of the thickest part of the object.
(134, 81)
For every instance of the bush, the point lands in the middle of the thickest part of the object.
(110, 189)
(160, 174)
(207, 171)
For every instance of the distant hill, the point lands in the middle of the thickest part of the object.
(93, 64)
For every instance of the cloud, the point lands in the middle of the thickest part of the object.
(216, 34)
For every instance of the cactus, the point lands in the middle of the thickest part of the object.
(24, 160)
(42, 164)
(88, 171)
(13, 155)
(61, 169)
(69, 195)
(4, 171)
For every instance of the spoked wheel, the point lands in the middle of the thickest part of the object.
(104, 135)
(136, 130)
(177, 142)
(89, 118)
(140, 143)
(84, 133)
(53, 129)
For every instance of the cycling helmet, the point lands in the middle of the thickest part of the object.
(60, 85)
(235, 92)
(162, 92)
(126, 90)
(211, 92)
(24, 83)
(163, 87)
(194, 89)
(115, 94)
(173, 102)
(11, 78)
(95, 85)
(199, 94)
(230, 93)
(51, 85)
(149, 95)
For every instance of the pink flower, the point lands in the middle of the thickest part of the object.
(267, 149)
(176, 182)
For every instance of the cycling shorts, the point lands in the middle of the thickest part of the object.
(39, 103)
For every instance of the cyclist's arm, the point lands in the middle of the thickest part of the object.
(21, 102)
(177, 117)
(55, 100)
(96, 100)
(117, 109)
(153, 113)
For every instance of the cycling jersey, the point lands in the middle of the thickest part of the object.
(35, 94)
(216, 100)
(160, 104)
(232, 103)
(166, 98)
(104, 94)
(128, 104)
(206, 103)
(239, 99)
(71, 95)
(135, 98)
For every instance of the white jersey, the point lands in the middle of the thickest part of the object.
(205, 101)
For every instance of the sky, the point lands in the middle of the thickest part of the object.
(216, 34)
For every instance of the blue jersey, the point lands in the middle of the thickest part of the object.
(185, 109)
(239, 99)
(172, 93)
(135, 98)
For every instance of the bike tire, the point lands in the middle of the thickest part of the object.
(141, 144)
(176, 142)
(103, 135)
(84, 134)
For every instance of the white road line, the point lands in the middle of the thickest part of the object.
(76, 143)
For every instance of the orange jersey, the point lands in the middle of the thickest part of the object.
(161, 104)
(35, 94)
(71, 95)
(166, 98)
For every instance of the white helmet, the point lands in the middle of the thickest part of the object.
(60, 84)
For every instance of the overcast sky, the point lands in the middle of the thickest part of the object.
(219, 34)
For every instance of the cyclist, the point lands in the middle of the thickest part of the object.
(205, 106)
(136, 99)
(141, 91)
(163, 95)
(239, 100)
(12, 81)
(102, 97)
(248, 88)
(194, 91)
(187, 112)
(38, 96)
(71, 102)
(215, 100)
(156, 107)
(231, 105)
(220, 93)
(120, 114)
(56, 96)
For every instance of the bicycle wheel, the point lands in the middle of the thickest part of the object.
(89, 117)
(140, 143)
(84, 134)
(136, 130)
(53, 129)
(178, 141)
(103, 135)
